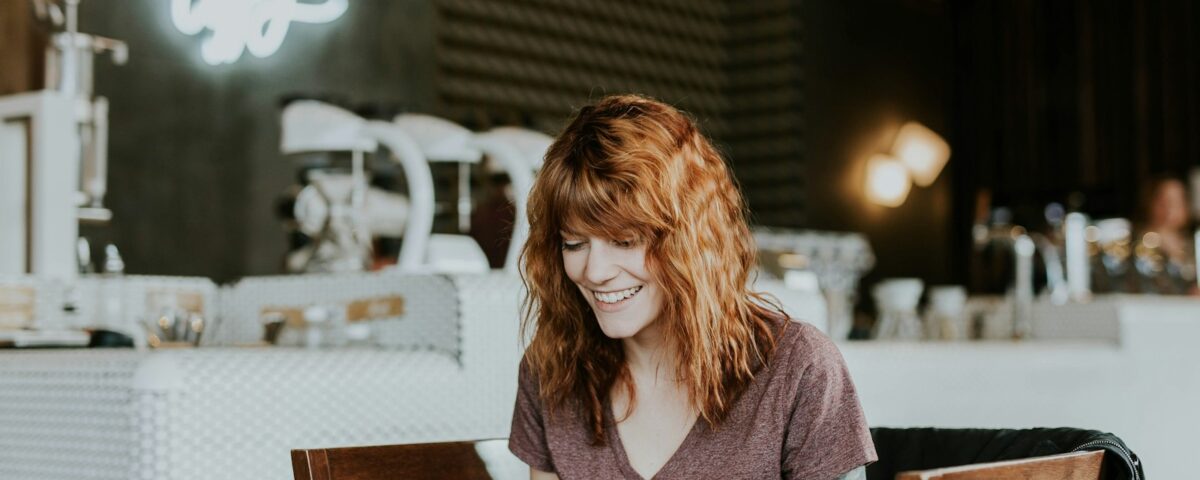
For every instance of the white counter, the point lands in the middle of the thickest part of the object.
(1143, 384)
(234, 413)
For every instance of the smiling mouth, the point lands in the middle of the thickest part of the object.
(612, 298)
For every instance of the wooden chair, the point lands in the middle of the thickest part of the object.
(1067, 466)
(451, 460)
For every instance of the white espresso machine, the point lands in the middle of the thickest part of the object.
(53, 152)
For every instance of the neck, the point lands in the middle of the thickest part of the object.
(649, 354)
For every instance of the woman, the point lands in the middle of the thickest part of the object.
(650, 357)
(1164, 252)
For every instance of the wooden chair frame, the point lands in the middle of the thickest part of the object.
(1067, 466)
(423, 460)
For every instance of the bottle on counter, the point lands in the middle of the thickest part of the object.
(110, 298)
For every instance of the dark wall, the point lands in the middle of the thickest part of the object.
(733, 65)
(1075, 102)
(1057, 97)
(870, 66)
(177, 181)
(195, 164)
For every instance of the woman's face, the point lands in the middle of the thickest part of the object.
(1169, 208)
(613, 278)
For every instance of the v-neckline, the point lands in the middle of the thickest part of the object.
(618, 447)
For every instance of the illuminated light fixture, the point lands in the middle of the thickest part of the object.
(924, 152)
(888, 181)
(255, 25)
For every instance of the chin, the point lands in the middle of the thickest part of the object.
(617, 332)
(616, 327)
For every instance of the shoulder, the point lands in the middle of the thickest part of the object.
(527, 377)
(800, 345)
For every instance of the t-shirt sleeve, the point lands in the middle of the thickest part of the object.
(827, 434)
(527, 439)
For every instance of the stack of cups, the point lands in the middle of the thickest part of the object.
(944, 318)
(896, 300)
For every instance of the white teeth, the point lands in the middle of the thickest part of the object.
(615, 297)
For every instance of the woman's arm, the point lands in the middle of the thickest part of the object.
(535, 474)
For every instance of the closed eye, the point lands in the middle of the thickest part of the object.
(630, 243)
(572, 246)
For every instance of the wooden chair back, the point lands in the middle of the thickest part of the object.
(1067, 466)
(450, 460)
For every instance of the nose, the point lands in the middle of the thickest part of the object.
(601, 264)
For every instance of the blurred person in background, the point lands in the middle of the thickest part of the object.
(1165, 253)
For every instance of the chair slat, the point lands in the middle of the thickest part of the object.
(427, 460)
(1067, 466)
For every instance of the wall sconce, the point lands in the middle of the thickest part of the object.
(918, 156)
(888, 181)
(924, 152)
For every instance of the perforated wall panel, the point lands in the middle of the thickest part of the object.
(733, 65)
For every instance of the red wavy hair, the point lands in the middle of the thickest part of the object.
(630, 166)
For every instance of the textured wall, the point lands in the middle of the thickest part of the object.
(734, 65)
(764, 119)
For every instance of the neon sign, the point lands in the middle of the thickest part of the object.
(239, 25)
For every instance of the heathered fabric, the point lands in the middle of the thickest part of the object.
(799, 419)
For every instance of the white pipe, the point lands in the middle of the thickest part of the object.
(1196, 253)
(464, 197)
(420, 191)
(1024, 248)
(495, 145)
(95, 167)
(1056, 278)
(1078, 275)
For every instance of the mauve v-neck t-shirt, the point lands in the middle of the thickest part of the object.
(799, 419)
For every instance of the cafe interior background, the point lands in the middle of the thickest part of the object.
(230, 187)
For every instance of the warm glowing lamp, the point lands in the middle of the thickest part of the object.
(888, 181)
(921, 150)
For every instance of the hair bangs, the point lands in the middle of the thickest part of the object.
(590, 203)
